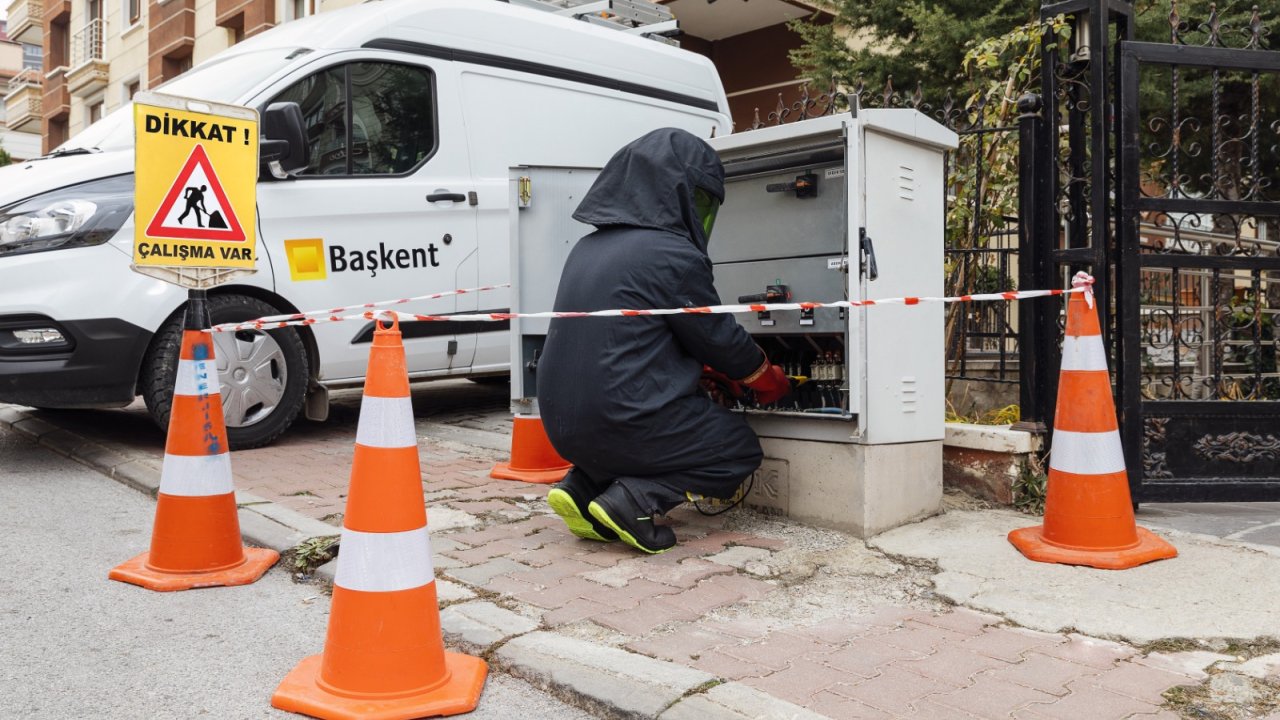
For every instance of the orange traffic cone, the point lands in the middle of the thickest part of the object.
(196, 538)
(384, 656)
(532, 457)
(1088, 515)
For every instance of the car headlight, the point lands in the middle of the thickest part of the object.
(76, 216)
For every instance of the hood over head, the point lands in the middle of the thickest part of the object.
(650, 182)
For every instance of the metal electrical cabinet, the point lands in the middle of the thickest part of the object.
(834, 208)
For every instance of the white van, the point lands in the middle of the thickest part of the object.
(412, 113)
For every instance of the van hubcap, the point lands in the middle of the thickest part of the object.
(251, 375)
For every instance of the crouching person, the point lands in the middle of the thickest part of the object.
(620, 396)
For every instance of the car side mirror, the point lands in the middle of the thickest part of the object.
(283, 148)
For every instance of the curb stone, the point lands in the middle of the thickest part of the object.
(476, 627)
(263, 524)
(33, 427)
(137, 476)
(735, 701)
(599, 679)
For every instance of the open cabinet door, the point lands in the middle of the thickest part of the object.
(903, 216)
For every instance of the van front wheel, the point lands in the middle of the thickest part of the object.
(262, 375)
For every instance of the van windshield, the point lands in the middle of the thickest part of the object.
(224, 80)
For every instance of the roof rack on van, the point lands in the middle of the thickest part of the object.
(639, 17)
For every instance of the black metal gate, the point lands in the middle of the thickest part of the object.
(1156, 167)
(1198, 281)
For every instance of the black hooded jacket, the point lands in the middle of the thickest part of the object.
(634, 380)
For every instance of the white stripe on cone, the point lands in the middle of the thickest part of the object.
(196, 475)
(386, 423)
(196, 377)
(384, 562)
(1086, 453)
(1083, 353)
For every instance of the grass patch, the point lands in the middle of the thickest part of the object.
(1007, 415)
(1030, 487)
(311, 554)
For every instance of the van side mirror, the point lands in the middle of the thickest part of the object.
(283, 148)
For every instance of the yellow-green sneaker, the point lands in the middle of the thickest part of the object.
(564, 499)
(618, 511)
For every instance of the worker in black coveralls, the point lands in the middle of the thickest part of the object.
(620, 396)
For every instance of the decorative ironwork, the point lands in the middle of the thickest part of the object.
(1239, 447)
(1154, 457)
(1225, 155)
(836, 100)
(1198, 278)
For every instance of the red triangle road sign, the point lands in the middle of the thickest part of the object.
(196, 221)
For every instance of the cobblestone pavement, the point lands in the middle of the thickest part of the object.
(307, 468)
(805, 615)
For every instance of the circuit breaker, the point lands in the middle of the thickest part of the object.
(836, 208)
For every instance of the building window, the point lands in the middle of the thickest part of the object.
(131, 88)
(95, 112)
(302, 8)
(172, 67)
(133, 11)
(386, 126)
(32, 56)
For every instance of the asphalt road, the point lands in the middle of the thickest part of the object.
(74, 644)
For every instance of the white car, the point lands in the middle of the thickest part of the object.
(409, 115)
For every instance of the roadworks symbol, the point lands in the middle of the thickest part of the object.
(196, 206)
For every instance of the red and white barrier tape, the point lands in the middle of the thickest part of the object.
(1082, 283)
(332, 315)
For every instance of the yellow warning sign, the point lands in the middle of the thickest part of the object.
(196, 183)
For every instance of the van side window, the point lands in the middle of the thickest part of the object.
(323, 100)
(393, 114)
(366, 118)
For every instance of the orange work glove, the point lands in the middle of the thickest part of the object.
(769, 383)
(722, 381)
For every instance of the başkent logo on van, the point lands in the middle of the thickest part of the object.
(307, 259)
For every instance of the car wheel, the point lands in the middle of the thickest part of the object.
(262, 375)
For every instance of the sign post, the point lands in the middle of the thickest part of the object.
(195, 190)
(196, 173)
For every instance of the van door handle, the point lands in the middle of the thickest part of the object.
(446, 196)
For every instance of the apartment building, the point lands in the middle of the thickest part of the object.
(17, 61)
(749, 41)
(98, 53)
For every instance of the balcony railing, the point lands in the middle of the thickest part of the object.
(89, 69)
(28, 77)
(23, 102)
(87, 44)
(26, 18)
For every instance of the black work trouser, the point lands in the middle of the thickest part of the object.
(658, 465)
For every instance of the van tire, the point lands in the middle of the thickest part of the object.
(159, 366)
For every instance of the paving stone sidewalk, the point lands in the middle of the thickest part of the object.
(749, 616)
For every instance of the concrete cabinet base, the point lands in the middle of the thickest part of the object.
(861, 489)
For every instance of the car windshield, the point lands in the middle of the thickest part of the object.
(223, 80)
